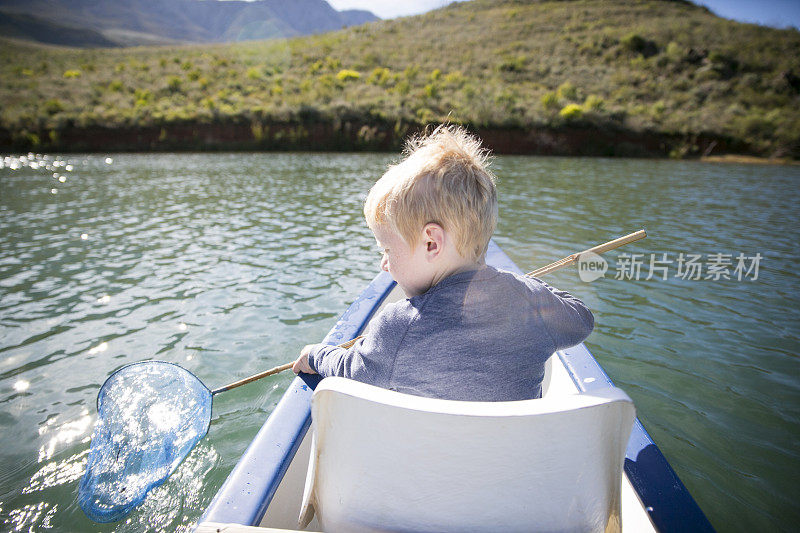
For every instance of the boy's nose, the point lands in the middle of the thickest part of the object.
(385, 263)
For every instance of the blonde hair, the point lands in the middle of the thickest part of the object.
(443, 179)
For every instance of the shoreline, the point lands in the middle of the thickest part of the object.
(743, 159)
(584, 139)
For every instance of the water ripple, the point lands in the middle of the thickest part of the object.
(711, 365)
(229, 263)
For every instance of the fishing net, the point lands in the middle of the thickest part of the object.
(149, 417)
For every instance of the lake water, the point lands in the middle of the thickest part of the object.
(229, 263)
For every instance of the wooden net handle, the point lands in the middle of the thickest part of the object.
(271, 371)
(599, 249)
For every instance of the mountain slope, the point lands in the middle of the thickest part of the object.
(186, 20)
(29, 27)
(667, 73)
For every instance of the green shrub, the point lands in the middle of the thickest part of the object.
(512, 64)
(253, 73)
(430, 91)
(174, 84)
(633, 42)
(379, 76)
(115, 86)
(53, 106)
(454, 78)
(594, 103)
(724, 66)
(411, 72)
(402, 87)
(69, 74)
(315, 67)
(425, 115)
(757, 124)
(674, 51)
(33, 139)
(348, 75)
(550, 101)
(571, 112)
(258, 131)
(567, 91)
(638, 62)
(142, 97)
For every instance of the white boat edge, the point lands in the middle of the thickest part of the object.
(264, 490)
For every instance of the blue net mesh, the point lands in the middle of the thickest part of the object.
(149, 416)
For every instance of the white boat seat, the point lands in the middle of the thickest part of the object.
(386, 461)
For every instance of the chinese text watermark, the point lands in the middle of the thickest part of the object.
(714, 267)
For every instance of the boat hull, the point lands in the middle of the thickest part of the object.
(266, 486)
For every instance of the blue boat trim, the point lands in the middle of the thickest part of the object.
(251, 485)
(246, 494)
(666, 499)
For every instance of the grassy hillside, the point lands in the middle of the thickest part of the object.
(643, 67)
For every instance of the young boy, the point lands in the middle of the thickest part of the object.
(466, 331)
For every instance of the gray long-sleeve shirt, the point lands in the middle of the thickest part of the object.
(481, 335)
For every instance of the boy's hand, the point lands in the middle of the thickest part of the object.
(301, 365)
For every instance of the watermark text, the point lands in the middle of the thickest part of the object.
(663, 265)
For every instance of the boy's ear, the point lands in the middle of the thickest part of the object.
(433, 237)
